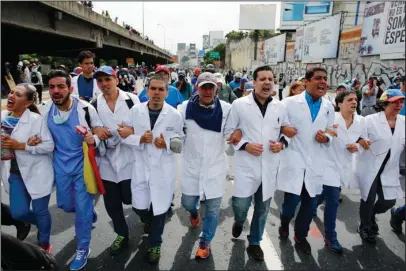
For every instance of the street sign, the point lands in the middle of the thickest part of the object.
(215, 55)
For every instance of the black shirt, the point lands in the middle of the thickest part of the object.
(153, 116)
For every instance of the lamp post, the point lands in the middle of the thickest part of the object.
(164, 35)
(143, 31)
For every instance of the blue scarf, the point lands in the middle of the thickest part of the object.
(207, 118)
(10, 123)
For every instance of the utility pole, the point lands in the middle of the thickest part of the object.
(143, 31)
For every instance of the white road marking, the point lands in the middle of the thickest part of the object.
(271, 257)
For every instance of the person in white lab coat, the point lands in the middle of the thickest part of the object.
(84, 85)
(256, 160)
(29, 175)
(61, 115)
(204, 163)
(116, 159)
(348, 129)
(157, 135)
(377, 170)
(303, 161)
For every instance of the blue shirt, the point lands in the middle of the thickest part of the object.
(85, 88)
(185, 95)
(314, 106)
(174, 98)
(233, 84)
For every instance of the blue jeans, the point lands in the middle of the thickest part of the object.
(72, 197)
(211, 218)
(400, 211)
(20, 201)
(261, 209)
(304, 216)
(331, 195)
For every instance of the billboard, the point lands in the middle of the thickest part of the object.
(295, 13)
(299, 43)
(371, 35)
(394, 32)
(257, 17)
(202, 53)
(181, 47)
(274, 49)
(321, 39)
(206, 42)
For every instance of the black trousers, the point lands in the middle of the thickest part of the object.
(116, 195)
(7, 219)
(369, 208)
(157, 223)
(39, 92)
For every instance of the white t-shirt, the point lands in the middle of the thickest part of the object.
(368, 100)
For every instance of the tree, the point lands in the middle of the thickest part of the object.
(185, 59)
(236, 35)
(264, 34)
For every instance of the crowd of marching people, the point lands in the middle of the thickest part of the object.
(304, 145)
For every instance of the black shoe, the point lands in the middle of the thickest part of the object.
(23, 230)
(119, 245)
(237, 230)
(395, 221)
(367, 235)
(147, 228)
(283, 231)
(374, 226)
(153, 255)
(255, 252)
(303, 245)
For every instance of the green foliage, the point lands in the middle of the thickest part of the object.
(70, 63)
(236, 35)
(221, 48)
(185, 59)
(264, 34)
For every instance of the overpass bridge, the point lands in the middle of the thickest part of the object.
(64, 28)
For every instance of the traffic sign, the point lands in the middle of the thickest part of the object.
(215, 54)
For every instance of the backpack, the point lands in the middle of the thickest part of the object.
(34, 77)
(93, 102)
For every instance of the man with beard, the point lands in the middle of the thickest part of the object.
(183, 86)
(302, 164)
(62, 114)
(84, 86)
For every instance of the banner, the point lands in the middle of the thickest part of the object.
(274, 49)
(371, 36)
(299, 43)
(321, 39)
(394, 33)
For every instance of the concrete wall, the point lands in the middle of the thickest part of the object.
(347, 65)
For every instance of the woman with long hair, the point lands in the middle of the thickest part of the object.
(296, 88)
(29, 170)
(377, 169)
(348, 129)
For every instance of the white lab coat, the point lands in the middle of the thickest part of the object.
(74, 83)
(116, 159)
(251, 171)
(304, 159)
(94, 117)
(35, 162)
(204, 163)
(367, 164)
(339, 161)
(154, 172)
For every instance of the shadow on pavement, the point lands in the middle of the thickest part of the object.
(66, 253)
(287, 257)
(348, 213)
(237, 259)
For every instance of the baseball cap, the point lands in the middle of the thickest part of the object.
(181, 74)
(77, 70)
(249, 85)
(105, 70)
(244, 80)
(206, 78)
(162, 68)
(219, 77)
(392, 95)
(237, 75)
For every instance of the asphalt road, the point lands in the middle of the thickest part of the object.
(180, 241)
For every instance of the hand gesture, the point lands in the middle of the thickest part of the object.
(34, 141)
(102, 132)
(124, 131)
(9, 143)
(275, 147)
(352, 148)
(365, 143)
(89, 139)
(254, 149)
(235, 137)
(160, 142)
(147, 137)
(289, 131)
(321, 137)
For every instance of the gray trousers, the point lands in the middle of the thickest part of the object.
(367, 110)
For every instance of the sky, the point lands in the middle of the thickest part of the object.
(185, 22)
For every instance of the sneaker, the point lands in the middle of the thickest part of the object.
(153, 255)
(395, 221)
(203, 250)
(334, 245)
(283, 231)
(237, 230)
(23, 229)
(118, 245)
(46, 247)
(147, 228)
(195, 221)
(255, 252)
(80, 259)
(303, 245)
(366, 235)
(374, 226)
